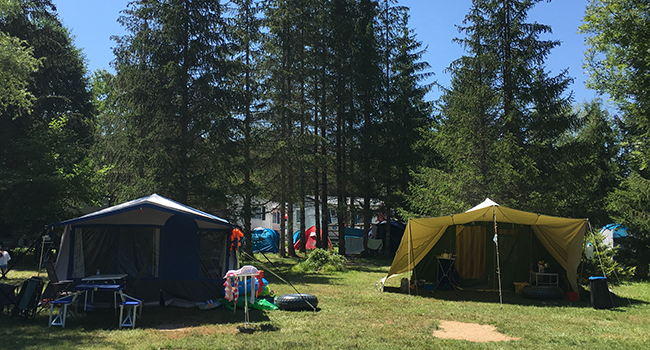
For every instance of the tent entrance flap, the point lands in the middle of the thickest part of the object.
(470, 251)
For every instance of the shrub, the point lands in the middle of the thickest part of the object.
(604, 261)
(321, 260)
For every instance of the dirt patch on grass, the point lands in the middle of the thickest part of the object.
(470, 331)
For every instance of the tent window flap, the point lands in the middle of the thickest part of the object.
(108, 250)
(213, 254)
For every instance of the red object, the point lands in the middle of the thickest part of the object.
(235, 238)
(260, 282)
(310, 244)
(573, 296)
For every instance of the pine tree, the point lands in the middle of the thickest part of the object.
(47, 132)
(174, 74)
(247, 35)
(503, 116)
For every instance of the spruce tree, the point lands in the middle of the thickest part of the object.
(503, 116)
(174, 77)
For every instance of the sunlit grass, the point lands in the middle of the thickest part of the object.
(352, 314)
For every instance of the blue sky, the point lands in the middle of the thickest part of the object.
(92, 22)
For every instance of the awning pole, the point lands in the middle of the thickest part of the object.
(409, 258)
(496, 241)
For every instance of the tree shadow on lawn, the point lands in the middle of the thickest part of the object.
(302, 278)
(510, 297)
(156, 317)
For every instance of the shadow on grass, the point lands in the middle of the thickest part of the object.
(34, 332)
(300, 278)
(510, 297)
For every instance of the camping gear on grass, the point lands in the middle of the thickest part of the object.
(28, 297)
(601, 297)
(297, 302)
(310, 243)
(7, 296)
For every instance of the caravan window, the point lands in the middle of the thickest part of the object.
(259, 213)
(213, 253)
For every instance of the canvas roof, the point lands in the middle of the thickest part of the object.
(152, 210)
(562, 237)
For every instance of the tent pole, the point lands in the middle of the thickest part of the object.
(40, 260)
(410, 246)
(496, 241)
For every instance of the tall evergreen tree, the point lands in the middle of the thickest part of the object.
(403, 110)
(246, 25)
(503, 116)
(174, 77)
(44, 152)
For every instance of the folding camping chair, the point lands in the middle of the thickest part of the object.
(7, 296)
(55, 288)
(28, 298)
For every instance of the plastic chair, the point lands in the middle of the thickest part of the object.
(131, 305)
(61, 316)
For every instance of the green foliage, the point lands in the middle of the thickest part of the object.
(172, 113)
(588, 166)
(46, 130)
(502, 118)
(618, 61)
(604, 262)
(617, 56)
(321, 260)
(630, 206)
(16, 65)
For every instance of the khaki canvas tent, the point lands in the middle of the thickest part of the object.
(524, 239)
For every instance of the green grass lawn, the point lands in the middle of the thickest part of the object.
(353, 314)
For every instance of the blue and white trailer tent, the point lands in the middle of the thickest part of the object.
(168, 248)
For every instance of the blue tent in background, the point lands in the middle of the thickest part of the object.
(612, 232)
(265, 240)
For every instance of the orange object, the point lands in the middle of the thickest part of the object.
(235, 238)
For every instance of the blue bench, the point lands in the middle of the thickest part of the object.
(131, 305)
(59, 319)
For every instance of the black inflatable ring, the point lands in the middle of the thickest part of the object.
(296, 302)
(542, 292)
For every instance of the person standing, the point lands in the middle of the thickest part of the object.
(4, 260)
